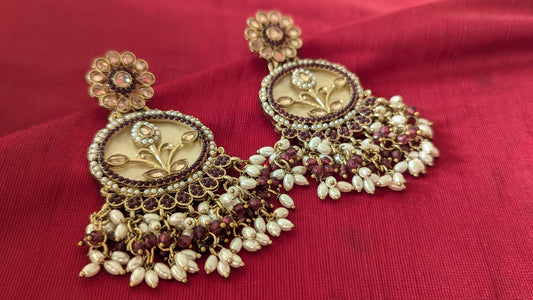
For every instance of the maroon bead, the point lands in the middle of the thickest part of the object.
(343, 171)
(396, 154)
(227, 219)
(358, 159)
(199, 232)
(121, 246)
(384, 130)
(264, 172)
(318, 171)
(164, 240)
(386, 163)
(215, 228)
(292, 152)
(262, 195)
(150, 240)
(255, 203)
(274, 182)
(96, 237)
(326, 160)
(249, 213)
(329, 170)
(138, 247)
(410, 110)
(285, 156)
(403, 139)
(273, 167)
(262, 181)
(239, 209)
(311, 162)
(184, 241)
(352, 164)
(413, 131)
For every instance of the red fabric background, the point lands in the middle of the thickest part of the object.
(462, 231)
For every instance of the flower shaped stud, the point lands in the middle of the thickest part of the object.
(273, 36)
(121, 82)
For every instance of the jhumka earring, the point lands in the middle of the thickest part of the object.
(171, 195)
(348, 138)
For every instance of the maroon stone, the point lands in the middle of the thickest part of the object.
(222, 160)
(216, 172)
(215, 228)
(332, 134)
(239, 209)
(199, 232)
(370, 101)
(96, 237)
(167, 202)
(344, 131)
(197, 190)
(184, 241)
(138, 247)
(255, 203)
(116, 199)
(403, 139)
(318, 171)
(208, 182)
(343, 171)
(262, 181)
(304, 135)
(150, 204)
(410, 110)
(290, 133)
(396, 154)
(311, 162)
(150, 240)
(329, 170)
(352, 164)
(164, 240)
(262, 195)
(121, 246)
(183, 197)
(134, 203)
(413, 131)
(274, 182)
(326, 160)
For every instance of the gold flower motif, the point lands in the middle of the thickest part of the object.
(273, 36)
(121, 82)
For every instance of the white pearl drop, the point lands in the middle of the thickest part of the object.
(285, 224)
(357, 182)
(369, 186)
(90, 270)
(114, 268)
(236, 245)
(288, 182)
(137, 276)
(322, 190)
(259, 224)
(210, 264)
(151, 278)
(120, 257)
(286, 201)
(281, 212)
(273, 228)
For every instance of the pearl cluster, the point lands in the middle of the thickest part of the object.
(308, 83)
(143, 139)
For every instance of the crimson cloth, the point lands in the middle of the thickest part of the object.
(464, 230)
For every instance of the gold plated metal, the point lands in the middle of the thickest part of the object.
(171, 194)
(342, 131)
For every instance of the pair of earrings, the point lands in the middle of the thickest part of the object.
(173, 196)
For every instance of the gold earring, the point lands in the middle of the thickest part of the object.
(171, 194)
(350, 139)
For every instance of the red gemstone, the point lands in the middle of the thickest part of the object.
(96, 237)
(326, 160)
(329, 170)
(255, 203)
(121, 246)
(150, 240)
(311, 162)
(403, 139)
(410, 110)
(239, 209)
(138, 247)
(184, 241)
(164, 240)
(215, 228)
(317, 170)
(199, 232)
(262, 181)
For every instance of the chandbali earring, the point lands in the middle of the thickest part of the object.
(349, 139)
(171, 195)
